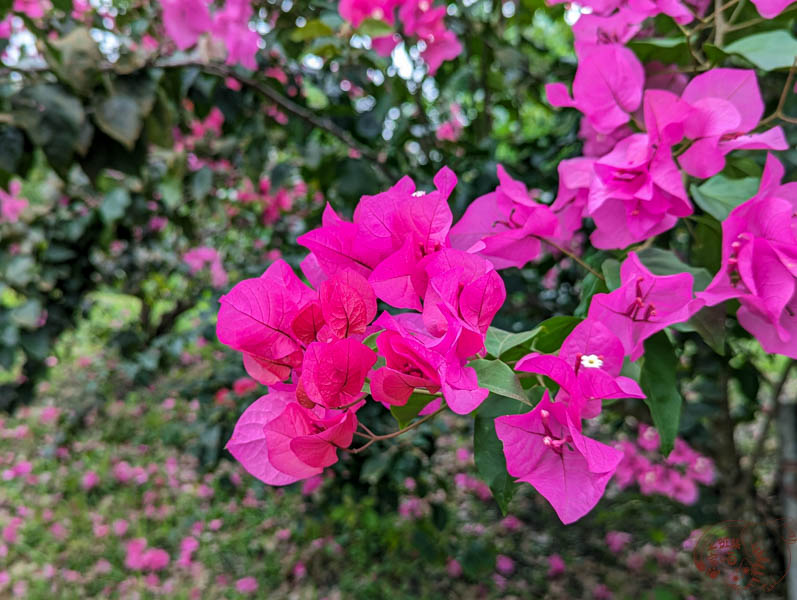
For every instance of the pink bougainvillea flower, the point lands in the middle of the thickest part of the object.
(185, 21)
(11, 204)
(391, 232)
(279, 442)
(35, 9)
(637, 193)
(597, 143)
(348, 303)
(357, 11)
(416, 359)
(302, 442)
(726, 106)
(569, 470)
(769, 9)
(256, 318)
(231, 24)
(248, 441)
(506, 224)
(644, 304)
(759, 263)
(607, 87)
(461, 291)
(587, 369)
(333, 373)
(440, 48)
(575, 180)
(244, 385)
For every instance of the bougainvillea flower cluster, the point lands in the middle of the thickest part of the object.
(421, 20)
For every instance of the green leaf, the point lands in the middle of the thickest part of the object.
(769, 50)
(497, 341)
(590, 286)
(664, 262)
(550, 334)
(499, 378)
(316, 99)
(668, 50)
(201, 182)
(114, 204)
(171, 191)
(313, 29)
(720, 195)
(658, 381)
(19, 271)
(119, 117)
(12, 145)
(488, 451)
(405, 414)
(370, 341)
(374, 28)
(709, 323)
(52, 118)
(27, 315)
(611, 271)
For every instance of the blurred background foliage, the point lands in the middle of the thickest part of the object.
(131, 155)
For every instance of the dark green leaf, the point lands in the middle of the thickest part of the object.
(118, 116)
(489, 451)
(709, 323)
(550, 334)
(201, 183)
(405, 414)
(658, 381)
(669, 50)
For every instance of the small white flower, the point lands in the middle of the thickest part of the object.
(591, 361)
(418, 194)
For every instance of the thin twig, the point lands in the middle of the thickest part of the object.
(571, 255)
(778, 114)
(377, 438)
(758, 450)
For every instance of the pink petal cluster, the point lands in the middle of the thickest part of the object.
(505, 226)
(141, 558)
(587, 370)
(759, 263)
(202, 256)
(396, 249)
(676, 476)
(451, 130)
(644, 304)
(185, 21)
(630, 184)
(11, 204)
(419, 19)
(547, 449)
(274, 203)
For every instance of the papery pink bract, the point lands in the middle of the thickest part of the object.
(248, 441)
(333, 373)
(644, 304)
(587, 369)
(569, 470)
(727, 104)
(759, 263)
(185, 20)
(506, 224)
(769, 9)
(11, 204)
(575, 180)
(348, 303)
(607, 87)
(637, 193)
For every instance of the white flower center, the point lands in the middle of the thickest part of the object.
(591, 361)
(418, 194)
